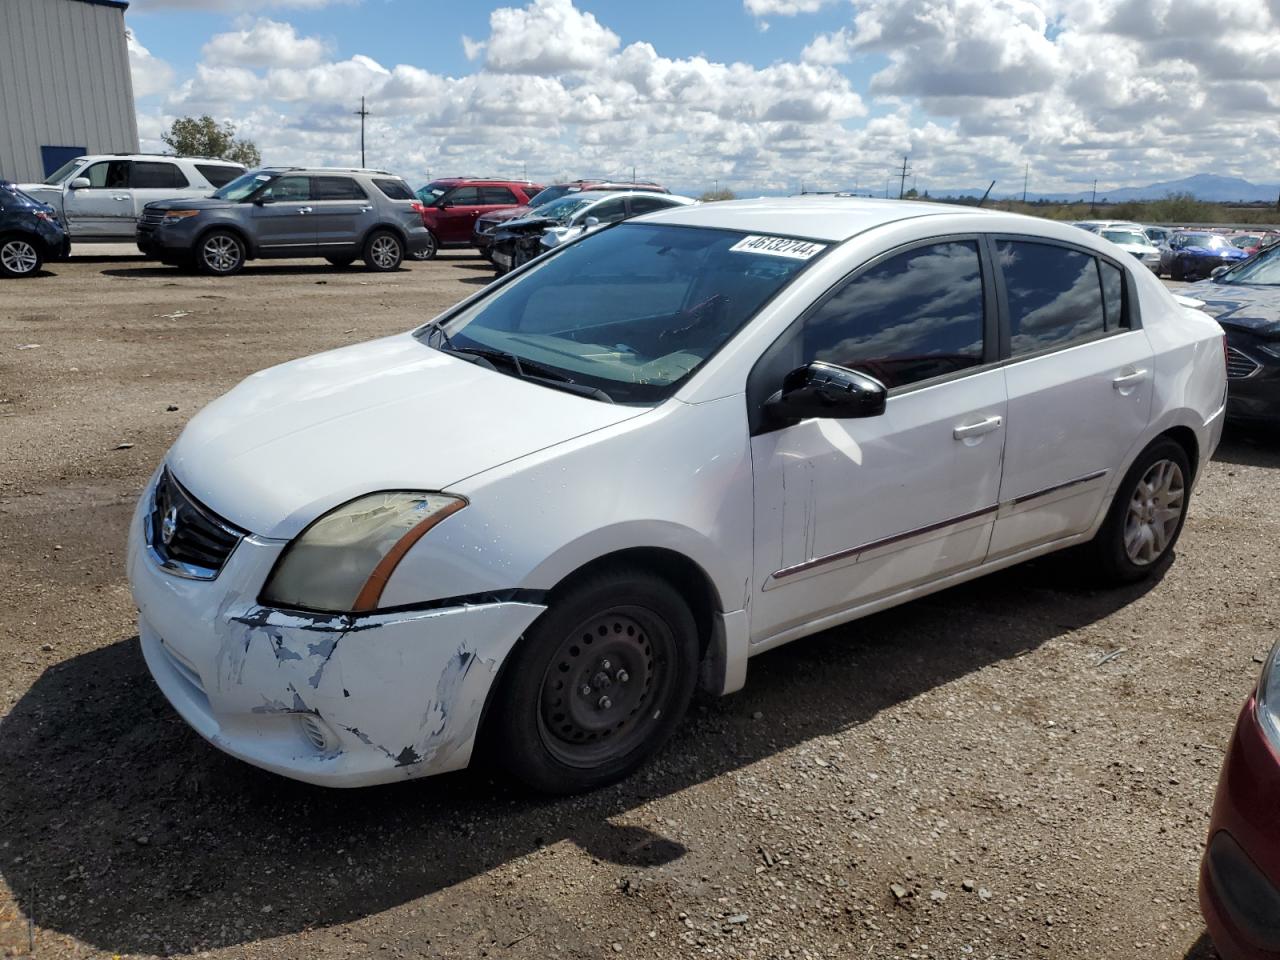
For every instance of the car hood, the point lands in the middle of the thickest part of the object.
(511, 213)
(190, 203)
(1230, 253)
(1251, 307)
(1138, 249)
(44, 192)
(294, 441)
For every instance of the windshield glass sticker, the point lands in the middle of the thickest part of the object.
(778, 247)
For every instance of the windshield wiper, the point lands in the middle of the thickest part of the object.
(531, 370)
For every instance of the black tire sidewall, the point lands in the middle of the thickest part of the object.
(512, 736)
(1113, 560)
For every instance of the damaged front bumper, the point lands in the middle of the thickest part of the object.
(335, 700)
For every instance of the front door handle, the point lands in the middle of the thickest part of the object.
(304, 209)
(970, 430)
(119, 198)
(1127, 381)
(366, 209)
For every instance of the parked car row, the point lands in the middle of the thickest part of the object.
(1181, 253)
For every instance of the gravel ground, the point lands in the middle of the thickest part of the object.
(967, 776)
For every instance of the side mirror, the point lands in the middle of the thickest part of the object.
(828, 391)
(591, 222)
(263, 201)
(1216, 272)
(81, 183)
(444, 204)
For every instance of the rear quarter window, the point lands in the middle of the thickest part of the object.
(218, 175)
(394, 189)
(1054, 294)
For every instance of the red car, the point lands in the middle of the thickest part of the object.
(1240, 873)
(482, 235)
(450, 207)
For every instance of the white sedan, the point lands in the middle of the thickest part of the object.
(534, 525)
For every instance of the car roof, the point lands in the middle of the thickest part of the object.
(832, 219)
(481, 181)
(158, 156)
(594, 195)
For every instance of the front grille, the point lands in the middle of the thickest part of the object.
(149, 220)
(1240, 365)
(187, 537)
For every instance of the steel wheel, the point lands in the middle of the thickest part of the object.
(221, 253)
(19, 258)
(600, 688)
(1155, 510)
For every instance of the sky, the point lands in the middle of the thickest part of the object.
(754, 95)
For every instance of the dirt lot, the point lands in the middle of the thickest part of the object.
(1027, 799)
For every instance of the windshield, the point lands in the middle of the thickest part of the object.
(63, 171)
(1126, 236)
(1264, 268)
(1210, 241)
(242, 186)
(1246, 241)
(562, 210)
(433, 192)
(631, 311)
(547, 194)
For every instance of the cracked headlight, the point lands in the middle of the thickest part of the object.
(1268, 699)
(342, 562)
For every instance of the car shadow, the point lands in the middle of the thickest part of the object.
(1202, 949)
(113, 810)
(1250, 446)
(478, 281)
(252, 269)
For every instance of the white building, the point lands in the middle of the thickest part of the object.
(64, 74)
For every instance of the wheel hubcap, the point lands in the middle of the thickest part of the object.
(18, 256)
(221, 253)
(1154, 511)
(601, 691)
(385, 252)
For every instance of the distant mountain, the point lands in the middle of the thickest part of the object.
(1203, 186)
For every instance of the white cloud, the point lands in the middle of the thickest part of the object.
(264, 43)
(546, 37)
(150, 74)
(783, 8)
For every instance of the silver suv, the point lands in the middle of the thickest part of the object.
(100, 197)
(340, 214)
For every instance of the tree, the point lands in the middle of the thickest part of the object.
(722, 194)
(205, 137)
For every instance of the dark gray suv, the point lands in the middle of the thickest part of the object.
(339, 214)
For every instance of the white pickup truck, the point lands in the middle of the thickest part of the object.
(99, 198)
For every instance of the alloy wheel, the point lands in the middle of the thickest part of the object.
(19, 257)
(221, 253)
(1155, 509)
(385, 252)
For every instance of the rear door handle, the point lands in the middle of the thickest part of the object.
(304, 209)
(366, 209)
(1128, 381)
(119, 198)
(970, 430)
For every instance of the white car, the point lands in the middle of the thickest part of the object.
(532, 526)
(1133, 241)
(101, 197)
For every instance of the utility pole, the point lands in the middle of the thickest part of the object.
(362, 113)
(1026, 172)
(902, 187)
(1093, 202)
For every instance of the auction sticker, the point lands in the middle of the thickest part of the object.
(779, 247)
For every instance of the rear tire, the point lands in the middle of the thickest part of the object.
(220, 254)
(597, 684)
(1146, 517)
(20, 257)
(429, 251)
(383, 251)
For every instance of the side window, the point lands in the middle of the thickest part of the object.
(217, 175)
(288, 188)
(1055, 297)
(337, 188)
(641, 205)
(493, 196)
(108, 175)
(913, 317)
(1113, 296)
(609, 211)
(149, 175)
(394, 189)
(464, 196)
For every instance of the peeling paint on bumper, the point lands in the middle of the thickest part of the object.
(399, 695)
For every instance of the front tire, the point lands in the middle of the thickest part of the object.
(383, 251)
(597, 684)
(19, 257)
(220, 254)
(1146, 517)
